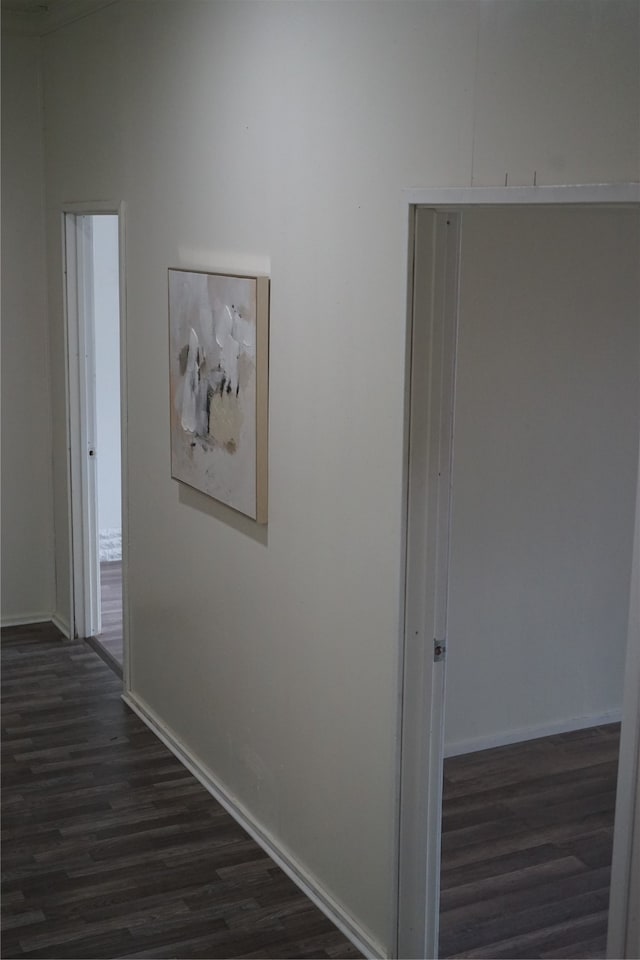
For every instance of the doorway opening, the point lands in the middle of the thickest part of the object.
(468, 554)
(543, 497)
(94, 309)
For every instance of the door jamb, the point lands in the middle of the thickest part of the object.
(420, 702)
(82, 425)
(77, 209)
(623, 935)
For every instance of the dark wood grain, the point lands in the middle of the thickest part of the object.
(110, 847)
(526, 847)
(109, 641)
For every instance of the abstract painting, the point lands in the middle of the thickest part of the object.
(218, 346)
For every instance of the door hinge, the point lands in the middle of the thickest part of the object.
(439, 650)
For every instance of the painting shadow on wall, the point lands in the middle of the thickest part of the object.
(190, 497)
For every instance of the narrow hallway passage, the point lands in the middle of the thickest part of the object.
(111, 848)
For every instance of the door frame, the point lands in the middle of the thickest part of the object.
(80, 399)
(623, 936)
(431, 330)
(82, 425)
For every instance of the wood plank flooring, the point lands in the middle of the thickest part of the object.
(526, 848)
(110, 638)
(110, 847)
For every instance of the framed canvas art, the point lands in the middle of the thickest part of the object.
(218, 357)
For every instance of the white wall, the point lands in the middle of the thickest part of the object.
(545, 465)
(27, 505)
(278, 136)
(106, 307)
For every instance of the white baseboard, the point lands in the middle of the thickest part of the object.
(295, 871)
(24, 619)
(62, 625)
(519, 735)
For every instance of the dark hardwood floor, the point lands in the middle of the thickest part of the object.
(110, 637)
(110, 847)
(526, 848)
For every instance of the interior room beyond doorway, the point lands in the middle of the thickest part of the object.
(106, 318)
(544, 472)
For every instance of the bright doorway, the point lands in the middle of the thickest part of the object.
(95, 390)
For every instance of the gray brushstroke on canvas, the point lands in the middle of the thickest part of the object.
(213, 385)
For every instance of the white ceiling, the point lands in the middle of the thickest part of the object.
(37, 17)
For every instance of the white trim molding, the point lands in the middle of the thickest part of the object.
(62, 624)
(453, 197)
(522, 734)
(271, 846)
